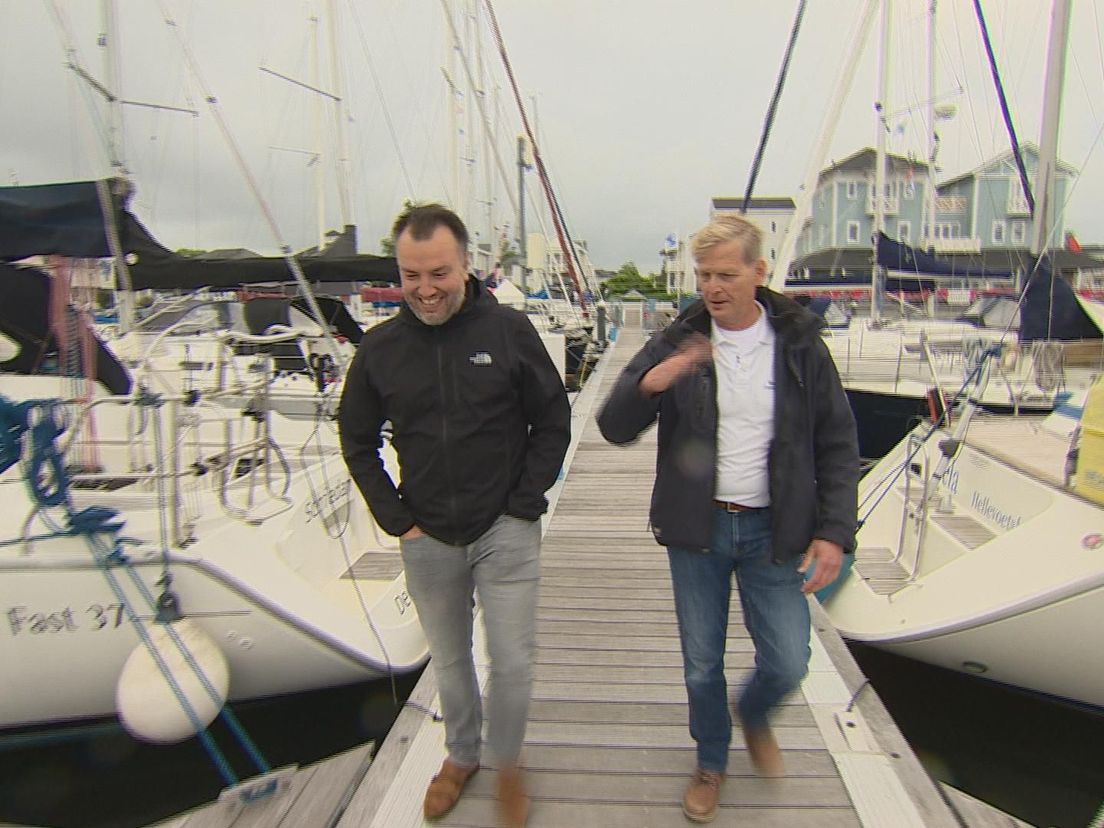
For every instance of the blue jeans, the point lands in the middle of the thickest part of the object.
(776, 614)
(503, 566)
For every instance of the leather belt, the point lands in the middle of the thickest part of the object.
(736, 507)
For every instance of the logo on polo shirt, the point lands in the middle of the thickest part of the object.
(480, 358)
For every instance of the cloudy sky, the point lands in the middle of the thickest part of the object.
(644, 109)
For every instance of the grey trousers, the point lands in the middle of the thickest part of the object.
(502, 566)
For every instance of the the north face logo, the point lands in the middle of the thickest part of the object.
(480, 358)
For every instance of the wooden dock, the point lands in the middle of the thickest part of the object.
(608, 743)
(314, 797)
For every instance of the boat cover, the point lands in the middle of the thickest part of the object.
(66, 219)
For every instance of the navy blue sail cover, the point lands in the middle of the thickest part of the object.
(67, 220)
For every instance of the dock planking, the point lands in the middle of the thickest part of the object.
(314, 796)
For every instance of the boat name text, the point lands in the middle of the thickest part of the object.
(981, 504)
(22, 620)
(327, 501)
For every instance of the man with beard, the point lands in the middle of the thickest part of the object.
(481, 423)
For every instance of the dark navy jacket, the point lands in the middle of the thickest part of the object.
(480, 419)
(814, 458)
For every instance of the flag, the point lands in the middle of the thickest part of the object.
(1072, 245)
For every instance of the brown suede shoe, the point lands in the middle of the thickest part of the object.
(699, 803)
(513, 802)
(765, 755)
(444, 789)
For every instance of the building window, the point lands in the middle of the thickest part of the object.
(852, 232)
(998, 231)
(904, 231)
(1019, 232)
(910, 189)
(772, 254)
(852, 190)
(774, 226)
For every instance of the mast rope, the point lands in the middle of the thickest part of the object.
(338, 532)
(253, 186)
(883, 486)
(480, 104)
(538, 160)
(1005, 112)
(92, 523)
(773, 107)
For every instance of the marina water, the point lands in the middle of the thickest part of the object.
(1031, 756)
(97, 776)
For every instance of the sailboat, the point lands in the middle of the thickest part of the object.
(139, 511)
(898, 372)
(245, 519)
(899, 368)
(979, 546)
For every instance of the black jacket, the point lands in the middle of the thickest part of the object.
(814, 458)
(479, 417)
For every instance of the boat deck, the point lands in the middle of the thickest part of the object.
(607, 743)
(1022, 443)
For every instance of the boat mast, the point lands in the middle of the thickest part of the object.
(342, 166)
(523, 247)
(319, 114)
(452, 45)
(928, 220)
(804, 201)
(877, 272)
(489, 137)
(1045, 192)
(124, 293)
(115, 137)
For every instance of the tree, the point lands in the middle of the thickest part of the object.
(628, 278)
(508, 254)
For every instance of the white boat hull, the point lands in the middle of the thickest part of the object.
(1001, 576)
(278, 561)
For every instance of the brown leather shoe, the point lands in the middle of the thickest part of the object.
(765, 755)
(444, 789)
(513, 802)
(699, 803)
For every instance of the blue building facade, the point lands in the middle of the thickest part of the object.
(980, 218)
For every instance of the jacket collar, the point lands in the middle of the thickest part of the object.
(790, 320)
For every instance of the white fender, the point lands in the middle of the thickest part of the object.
(145, 700)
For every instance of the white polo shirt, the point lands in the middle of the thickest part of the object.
(744, 362)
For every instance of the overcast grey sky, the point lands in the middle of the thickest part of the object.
(645, 109)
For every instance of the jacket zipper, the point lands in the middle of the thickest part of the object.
(444, 430)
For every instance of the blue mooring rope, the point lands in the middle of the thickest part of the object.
(49, 485)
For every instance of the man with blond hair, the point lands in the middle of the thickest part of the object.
(756, 476)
